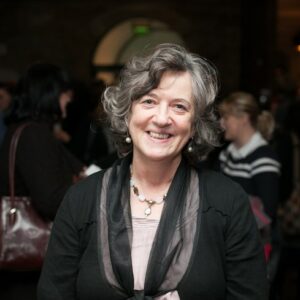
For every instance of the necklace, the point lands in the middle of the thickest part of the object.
(142, 198)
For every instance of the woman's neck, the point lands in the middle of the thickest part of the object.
(154, 174)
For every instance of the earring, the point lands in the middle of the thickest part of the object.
(190, 146)
(128, 139)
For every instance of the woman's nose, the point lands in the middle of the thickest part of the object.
(162, 117)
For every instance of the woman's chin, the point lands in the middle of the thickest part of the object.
(161, 156)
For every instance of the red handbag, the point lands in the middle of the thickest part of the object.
(24, 234)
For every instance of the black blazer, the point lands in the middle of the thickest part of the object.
(229, 261)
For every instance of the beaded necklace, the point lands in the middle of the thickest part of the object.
(142, 198)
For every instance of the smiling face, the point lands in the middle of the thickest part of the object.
(160, 123)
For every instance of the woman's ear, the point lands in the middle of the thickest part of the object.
(245, 119)
(128, 116)
(127, 119)
(193, 130)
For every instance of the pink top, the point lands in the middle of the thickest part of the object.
(144, 230)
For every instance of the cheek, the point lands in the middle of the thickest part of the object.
(230, 128)
(134, 122)
(139, 118)
(229, 125)
(187, 128)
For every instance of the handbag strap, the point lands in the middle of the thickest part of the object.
(12, 160)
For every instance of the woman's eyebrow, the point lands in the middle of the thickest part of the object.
(151, 94)
(186, 102)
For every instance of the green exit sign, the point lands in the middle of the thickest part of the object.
(141, 29)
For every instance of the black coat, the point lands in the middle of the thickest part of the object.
(229, 261)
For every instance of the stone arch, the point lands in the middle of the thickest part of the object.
(124, 40)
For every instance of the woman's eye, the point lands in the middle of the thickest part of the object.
(180, 107)
(148, 101)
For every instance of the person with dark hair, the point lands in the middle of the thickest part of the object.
(44, 169)
(88, 141)
(152, 226)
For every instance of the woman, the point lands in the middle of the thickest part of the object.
(151, 226)
(249, 159)
(44, 169)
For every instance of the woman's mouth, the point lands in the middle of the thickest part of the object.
(161, 136)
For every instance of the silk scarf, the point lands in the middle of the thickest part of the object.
(175, 239)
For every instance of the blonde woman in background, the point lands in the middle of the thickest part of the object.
(249, 159)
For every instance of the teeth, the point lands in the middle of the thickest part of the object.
(159, 135)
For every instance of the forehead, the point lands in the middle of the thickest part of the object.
(233, 117)
(176, 84)
(228, 110)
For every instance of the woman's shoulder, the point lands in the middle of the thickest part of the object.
(217, 181)
(81, 197)
(220, 192)
(33, 133)
(264, 159)
(87, 187)
(265, 151)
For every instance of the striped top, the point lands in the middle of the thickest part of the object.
(256, 168)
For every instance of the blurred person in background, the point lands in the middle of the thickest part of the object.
(251, 161)
(44, 169)
(87, 138)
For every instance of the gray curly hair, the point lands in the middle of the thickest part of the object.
(143, 74)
